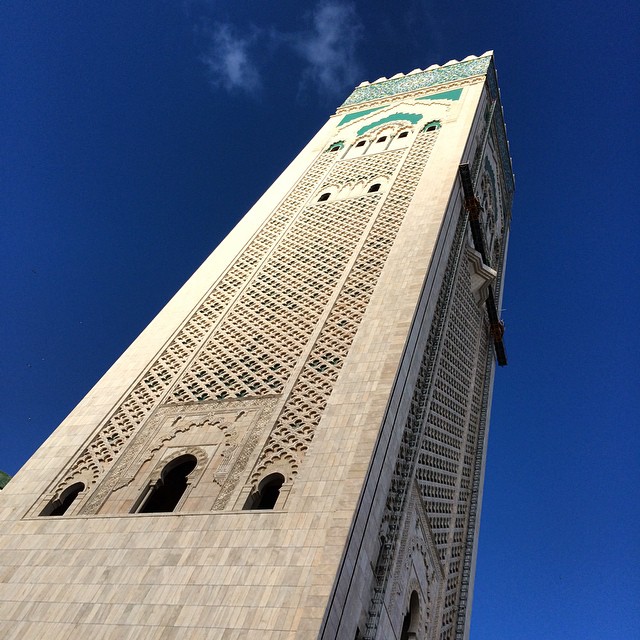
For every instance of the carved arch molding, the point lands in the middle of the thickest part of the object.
(223, 436)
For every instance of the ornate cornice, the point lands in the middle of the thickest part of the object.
(419, 79)
(418, 94)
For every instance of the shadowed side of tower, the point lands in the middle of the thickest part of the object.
(294, 447)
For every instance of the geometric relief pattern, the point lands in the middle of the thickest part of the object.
(417, 549)
(235, 425)
(296, 425)
(404, 471)
(440, 439)
(447, 452)
(255, 348)
(414, 82)
(363, 169)
(96, 458)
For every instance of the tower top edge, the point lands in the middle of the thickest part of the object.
(421, 78)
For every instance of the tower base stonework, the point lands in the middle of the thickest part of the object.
(294, 448)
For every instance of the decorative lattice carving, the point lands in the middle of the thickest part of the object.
(442, 436)
(438, 430)
(301, 414)
(240, 422)
(363, 169)
(447, 449)
(416, 547)
(256, 347)
(96, 458)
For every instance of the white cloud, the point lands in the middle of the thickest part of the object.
(228, 60)
(329, 49)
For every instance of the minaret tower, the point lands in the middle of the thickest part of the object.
(294, 448)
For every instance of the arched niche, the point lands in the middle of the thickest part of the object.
(411, 621)
(60, 505)
(267, 494)
(165, 495)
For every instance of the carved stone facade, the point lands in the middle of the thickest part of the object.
(294, 448)
(292, 321)
(222, 435)
(439, 442)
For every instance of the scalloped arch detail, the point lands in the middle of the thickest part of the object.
(413, 118)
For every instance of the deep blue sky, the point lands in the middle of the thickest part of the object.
(133, 135)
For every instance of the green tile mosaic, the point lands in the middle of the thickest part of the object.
(410, 117)
(424, 79)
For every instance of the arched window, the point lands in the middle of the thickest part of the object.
(404, 134)
(267, 494)
(361, 143)
(336, 147)
(324, 196)
(381, 139)
(411, 622)
(171, 485)
(374, 187)
(59, 506)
